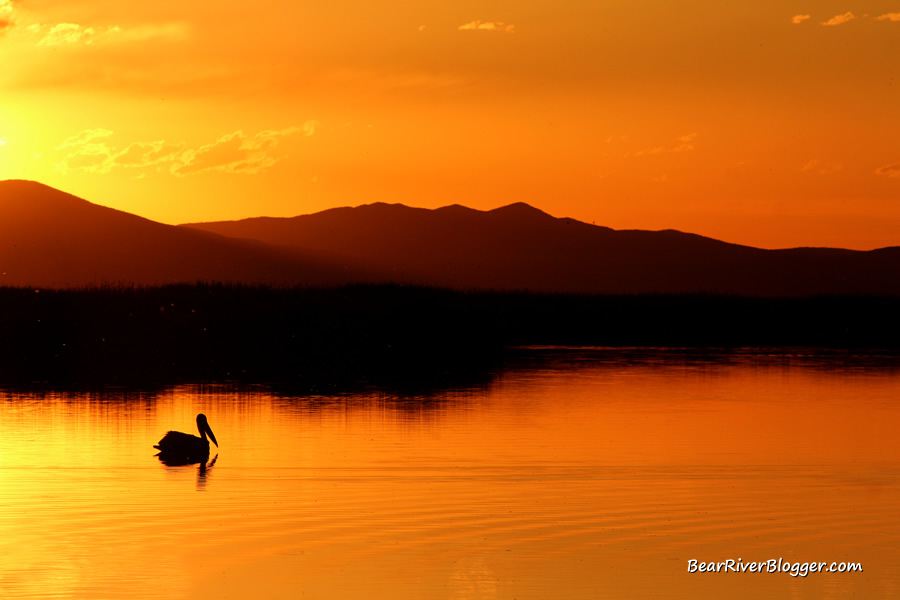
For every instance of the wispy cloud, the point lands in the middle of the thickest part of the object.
(839, 19)
(84, 137)
(100, 157)
(479, 25)
(90, 158)
(236, 153)
(141, 155)
(814, 165)
(6, 15)
(161, 31)
(63, 34)
(892, 170)
(846, 18)
(309, 127)
(685, 144)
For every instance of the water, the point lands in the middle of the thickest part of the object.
(577, 474)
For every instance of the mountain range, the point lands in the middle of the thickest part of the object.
(49, 238)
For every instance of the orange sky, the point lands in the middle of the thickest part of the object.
(768, 123)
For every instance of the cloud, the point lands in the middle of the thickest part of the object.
(892, 170)
(141, 155)
(6, 15)
(309, 128)
(686, 144)
(100, 157)
(166, 31)
(479, 25)
(846, 17)
(839, 19)
(64, 34)
(82, 138)
(814, 165)
(236, 153)
(90, 158)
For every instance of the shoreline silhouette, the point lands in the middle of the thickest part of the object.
(330, 338)
(397, 296)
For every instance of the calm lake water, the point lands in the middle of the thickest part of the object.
(578, 473)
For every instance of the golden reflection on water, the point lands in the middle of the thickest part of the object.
(578, 479)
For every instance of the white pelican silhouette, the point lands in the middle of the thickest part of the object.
(183, 448)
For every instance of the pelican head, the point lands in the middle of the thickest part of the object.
(204, 428)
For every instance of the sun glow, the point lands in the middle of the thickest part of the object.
(750, 123)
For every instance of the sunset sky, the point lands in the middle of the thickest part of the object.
(771, 123)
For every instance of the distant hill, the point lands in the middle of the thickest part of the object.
(518, 247)
(52, 239)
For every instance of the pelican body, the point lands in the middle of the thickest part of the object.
(184, 448)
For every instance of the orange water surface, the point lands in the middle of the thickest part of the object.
(574, 473)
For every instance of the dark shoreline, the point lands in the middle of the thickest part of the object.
(331, 339)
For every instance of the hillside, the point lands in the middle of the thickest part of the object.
(518, 247)
(52, 239)
(49, 238)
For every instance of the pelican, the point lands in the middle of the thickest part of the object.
(184, 448)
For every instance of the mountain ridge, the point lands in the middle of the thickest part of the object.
(53, 239)
(519, 247)
(49, 238)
